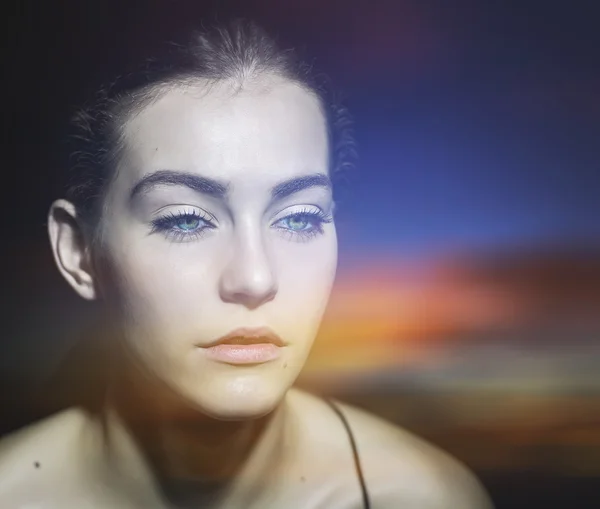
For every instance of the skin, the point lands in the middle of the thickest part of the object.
(180, 429)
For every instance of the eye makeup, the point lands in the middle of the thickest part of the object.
(183, 225)
(188, 224)
(303, 224)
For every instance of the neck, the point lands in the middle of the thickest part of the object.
(157, 444)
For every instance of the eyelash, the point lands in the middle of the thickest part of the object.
(167, 224)
(319, 218)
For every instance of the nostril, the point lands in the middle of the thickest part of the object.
(251, 298)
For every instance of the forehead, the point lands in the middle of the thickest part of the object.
(270, 130)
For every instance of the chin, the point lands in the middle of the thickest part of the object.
(242, 409)
(238, 399)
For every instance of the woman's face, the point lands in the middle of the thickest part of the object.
(219, 218)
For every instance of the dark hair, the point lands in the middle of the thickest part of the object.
(237, 51)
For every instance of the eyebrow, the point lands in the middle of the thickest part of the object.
(195, 182)
(296, 184)
(219, 189)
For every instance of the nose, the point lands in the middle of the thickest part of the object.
(248, 278)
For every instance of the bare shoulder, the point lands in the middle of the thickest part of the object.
(399, 467)
(402, 470)
(36, 454)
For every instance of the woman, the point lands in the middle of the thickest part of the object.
(200, 215)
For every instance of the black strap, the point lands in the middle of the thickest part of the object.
(359, 472)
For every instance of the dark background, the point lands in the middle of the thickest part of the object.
(477, 126)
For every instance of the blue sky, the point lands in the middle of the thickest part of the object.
(486, 139)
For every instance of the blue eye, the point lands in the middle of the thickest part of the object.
(182, 226)
(303, 225)
(188, 223)
(297, 222)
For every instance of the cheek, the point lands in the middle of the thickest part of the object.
(161, 289)
(306, 278)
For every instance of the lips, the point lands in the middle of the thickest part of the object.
(245, 346)
(248, 336)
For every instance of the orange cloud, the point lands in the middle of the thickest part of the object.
(385, 314)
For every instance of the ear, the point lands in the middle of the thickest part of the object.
(71, 249)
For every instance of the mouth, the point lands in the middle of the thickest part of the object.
(245, 346)
(248, 336)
